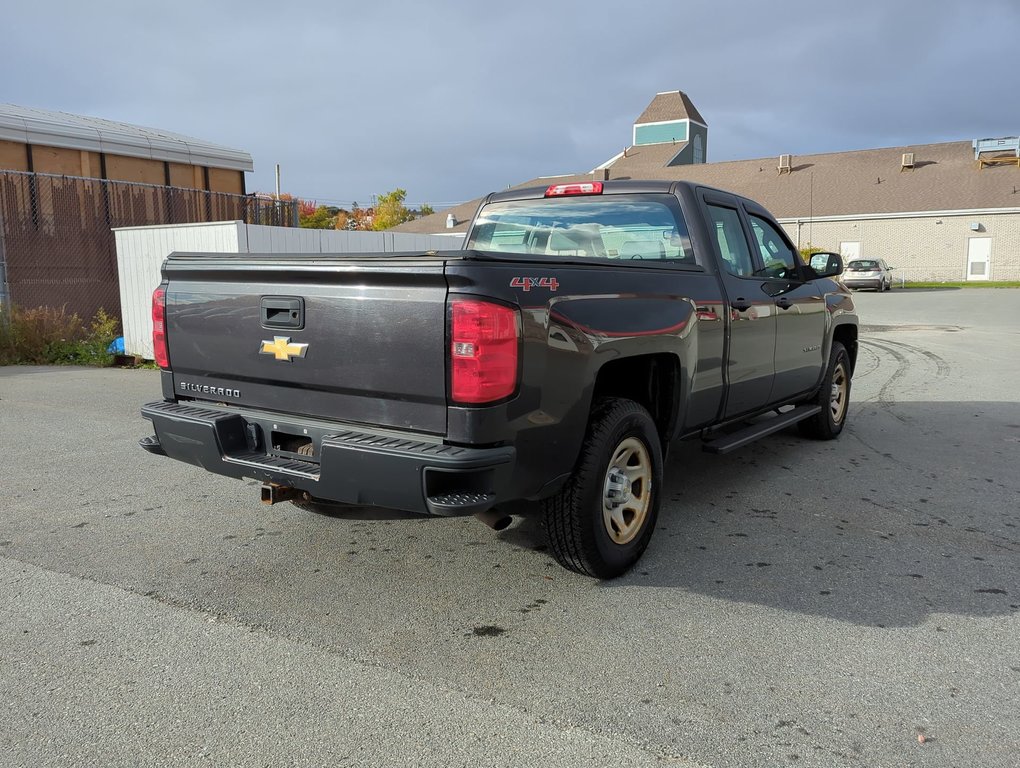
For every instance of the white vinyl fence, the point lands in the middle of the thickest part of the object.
(142, 250)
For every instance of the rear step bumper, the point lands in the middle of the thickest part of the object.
(413, 472)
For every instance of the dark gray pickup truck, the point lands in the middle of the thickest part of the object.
(581, 330)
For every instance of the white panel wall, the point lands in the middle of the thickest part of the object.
(141, 252)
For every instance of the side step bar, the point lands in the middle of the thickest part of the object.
(740, 438)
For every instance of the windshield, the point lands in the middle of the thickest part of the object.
(862, 266)
(645, 227)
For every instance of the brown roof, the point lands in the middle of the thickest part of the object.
(656, 156)
(945, 178)
(436, 222)
(672, 105)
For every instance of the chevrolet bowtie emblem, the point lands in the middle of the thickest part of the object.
(282, 349)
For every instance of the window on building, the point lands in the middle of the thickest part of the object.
(699, 149)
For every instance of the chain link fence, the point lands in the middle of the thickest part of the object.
(57, 246)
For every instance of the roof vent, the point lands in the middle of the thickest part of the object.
(451, 221)
(907, 161)
(784, 164)
(1007, 144)
(600, 174)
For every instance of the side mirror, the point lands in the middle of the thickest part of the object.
(827, 264)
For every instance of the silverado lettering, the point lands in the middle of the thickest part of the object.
(204, 389)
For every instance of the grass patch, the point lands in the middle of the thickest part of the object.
(47, 336)
(965, 284)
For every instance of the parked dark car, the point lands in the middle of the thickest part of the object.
(580, 331)
(868, 273)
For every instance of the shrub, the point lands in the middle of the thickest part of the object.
(48, 336)
(808, 251)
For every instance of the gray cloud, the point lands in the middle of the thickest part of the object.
(453, 99)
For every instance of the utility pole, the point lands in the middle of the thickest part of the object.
(277, 181)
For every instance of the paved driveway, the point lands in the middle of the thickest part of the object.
(802, 603)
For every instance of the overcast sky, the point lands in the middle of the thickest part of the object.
(450, 100)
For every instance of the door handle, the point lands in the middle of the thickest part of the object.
(784, 303)
(283, 312)
(741, 304)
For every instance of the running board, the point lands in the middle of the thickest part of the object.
(739, 439)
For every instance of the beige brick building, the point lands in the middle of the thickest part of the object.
(935, 212)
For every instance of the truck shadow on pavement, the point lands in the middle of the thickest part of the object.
(910, 514)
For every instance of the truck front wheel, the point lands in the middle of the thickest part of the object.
(603, 518)
(833, 396)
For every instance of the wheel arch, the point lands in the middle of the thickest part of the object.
(655, 381)
(846, 334)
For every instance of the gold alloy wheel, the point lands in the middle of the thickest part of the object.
(840, 390)
(627, 491)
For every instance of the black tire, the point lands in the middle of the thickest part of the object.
(578, 520)
(829, 423)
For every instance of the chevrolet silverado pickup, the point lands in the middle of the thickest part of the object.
(580, 331)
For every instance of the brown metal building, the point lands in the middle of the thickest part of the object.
(43, 141)
(67, 180)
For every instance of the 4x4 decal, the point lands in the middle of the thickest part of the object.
(527, 283)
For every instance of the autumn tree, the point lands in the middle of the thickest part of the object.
(311, 216)
(391, 211)
(355, 219)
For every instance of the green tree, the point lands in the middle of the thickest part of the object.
(391, 211)
(426, 210)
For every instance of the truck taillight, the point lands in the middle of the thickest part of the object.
(484, 338)
(159, 327)
(584, 188)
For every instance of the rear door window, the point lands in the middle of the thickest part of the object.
(729, 236)
(638, 228)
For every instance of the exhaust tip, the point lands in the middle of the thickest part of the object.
(495, 519)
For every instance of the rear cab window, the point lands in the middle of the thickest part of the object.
(633, 228)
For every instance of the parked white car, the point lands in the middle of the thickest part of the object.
(868, 273)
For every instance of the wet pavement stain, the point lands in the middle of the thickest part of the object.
(487, 630)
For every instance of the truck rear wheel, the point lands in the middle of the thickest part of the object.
(601, 521)
(833, 396)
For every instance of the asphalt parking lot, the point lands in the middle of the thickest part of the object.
(809, 604)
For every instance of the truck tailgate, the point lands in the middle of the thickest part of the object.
(357, 339)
